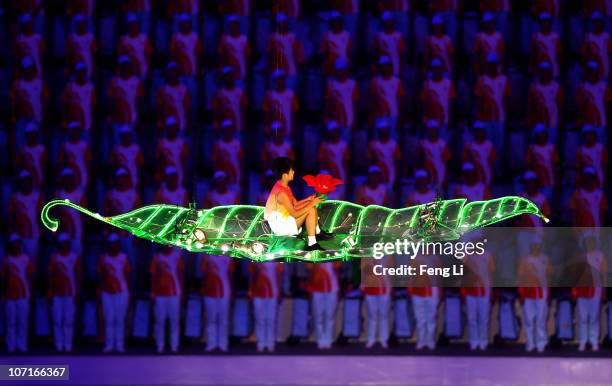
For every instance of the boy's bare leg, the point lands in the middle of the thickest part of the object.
(310, 218)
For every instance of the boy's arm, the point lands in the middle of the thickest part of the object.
(302, 203)
(284, 200)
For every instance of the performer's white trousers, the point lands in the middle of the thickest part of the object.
(115, 307)
(265, 321)
(324, 311)
(425, 312)
(478, 312)
(167, 307)
(378, 317)
(17, 312)
(535, 313)
(588, 319)
(63, 321)
(217, 315)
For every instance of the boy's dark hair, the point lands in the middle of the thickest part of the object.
(281, 165)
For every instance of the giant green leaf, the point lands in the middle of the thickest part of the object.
(241, 231)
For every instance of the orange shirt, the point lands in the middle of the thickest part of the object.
(272, 200)
(335, 46)
(234, 51)
(129, 157)
(595, 156)
(491, 92)
(31, 46)
(333, 157)
(166, 274)
(82, 48)
(63, 273)
(33, 159)
(173, 100)
(386, 94)
(542, 159)
(125, 94)
(340, 98)
(230, 104)
(28, 98)
(371, 284)
(544, 102)
(217, 272)
(186, 50)
(596, 264)
(278, 187)
(598, 47)
(139, 49)
(479, 269)
(265, 279)
(171, 153)
(78, 102)
(440, 47)
(77, 156)
(385, 154)
(113, 271)
(16, 273)
(284, 52)
(486, 44)
(437, 97)
(592, 100)
(588, 207)
(281, 105)
(536, 268)
(227, 156)
(323, 277)
(546, 47)
(368, 196)
(24, 213)
(482, 155)
(435, 157)
(391, 45)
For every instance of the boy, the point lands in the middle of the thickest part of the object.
(285, 214)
